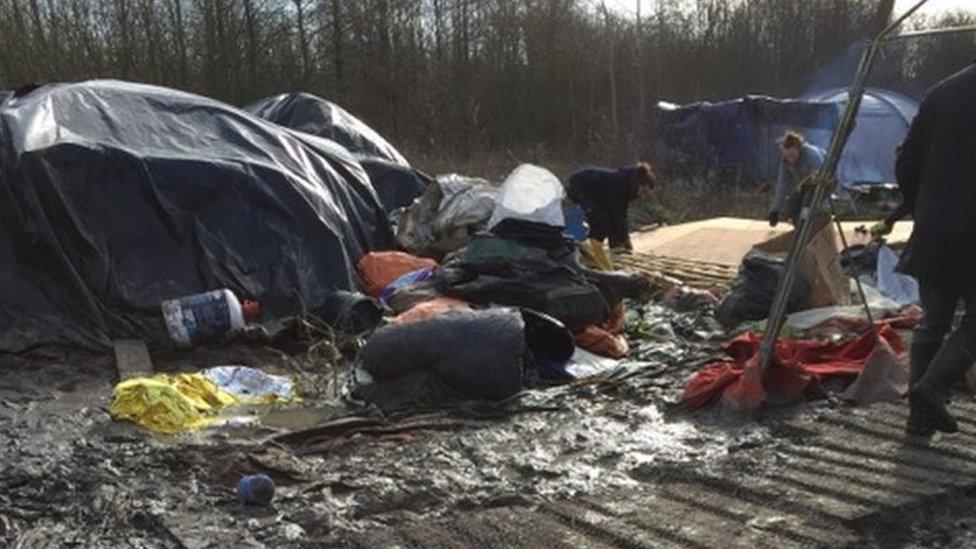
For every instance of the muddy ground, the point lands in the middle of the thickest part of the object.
(73, 477)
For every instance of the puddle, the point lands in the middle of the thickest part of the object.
(287, 419)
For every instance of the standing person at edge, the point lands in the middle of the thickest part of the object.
(800, 159)
(604, 194)
(936, 172)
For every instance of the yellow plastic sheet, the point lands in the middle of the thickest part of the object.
(169, 404)
(594, 255)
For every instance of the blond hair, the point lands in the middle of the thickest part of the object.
(645, 174)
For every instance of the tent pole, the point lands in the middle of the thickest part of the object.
(931, 32)
(857, 279)
(823, 182)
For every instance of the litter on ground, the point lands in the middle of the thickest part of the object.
(317, 344)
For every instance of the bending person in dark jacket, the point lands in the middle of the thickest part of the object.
(936, 171)
(604, 194)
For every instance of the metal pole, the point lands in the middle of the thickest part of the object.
(881, 35)
(823, 182)
(857, 279)
(931, 32)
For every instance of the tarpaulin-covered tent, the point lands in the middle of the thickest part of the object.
(738, 137)
(116, 196)
(397, 185)
(882, 124)
(311, 114)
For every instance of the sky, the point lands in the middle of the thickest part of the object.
(933, 6)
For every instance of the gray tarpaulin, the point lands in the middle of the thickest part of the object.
(116, 196)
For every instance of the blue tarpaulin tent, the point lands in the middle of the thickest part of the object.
(737, 138)
(882, 123)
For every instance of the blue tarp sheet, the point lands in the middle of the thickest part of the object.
(738, 136)
(882, 124)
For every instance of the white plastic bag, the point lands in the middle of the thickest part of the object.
(530, 193)
(251, 384)
(448, 213)
(467, 202)
(900, 288)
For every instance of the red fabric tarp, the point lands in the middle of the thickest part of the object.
(795, 374)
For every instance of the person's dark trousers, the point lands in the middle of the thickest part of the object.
(939, 303)
(619, 231)
(607, 220)
(939, 363)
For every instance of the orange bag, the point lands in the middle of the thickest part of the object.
(601, 342)
(430, 309)
(379, 269)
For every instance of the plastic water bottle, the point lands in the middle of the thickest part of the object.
(576, 226)
(198, 317)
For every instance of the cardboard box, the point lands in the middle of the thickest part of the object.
(819, 264)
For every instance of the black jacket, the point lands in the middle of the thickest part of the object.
(609, 191)
(936, 172)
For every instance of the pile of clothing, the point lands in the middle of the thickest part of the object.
(509, 306)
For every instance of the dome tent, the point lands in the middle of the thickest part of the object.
(736, 137)
(116, 196)
(739, 136)
(396, 183)
(311, 114)
(882, 124)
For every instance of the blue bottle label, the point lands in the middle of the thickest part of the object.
(205, 315)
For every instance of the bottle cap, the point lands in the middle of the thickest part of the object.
(251, 309)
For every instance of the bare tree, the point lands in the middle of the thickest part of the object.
(458, 77)
(303, 45)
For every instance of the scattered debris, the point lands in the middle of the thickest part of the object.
(173, 403)
(499, 362)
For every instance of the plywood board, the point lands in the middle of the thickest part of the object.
(726, 240)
